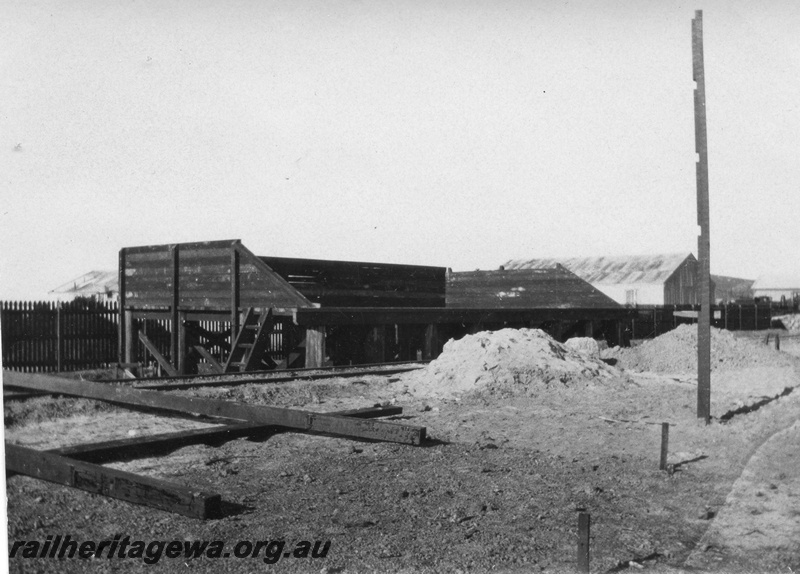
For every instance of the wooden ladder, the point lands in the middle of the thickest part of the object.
(252, 343)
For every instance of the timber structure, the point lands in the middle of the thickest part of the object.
(215, 307)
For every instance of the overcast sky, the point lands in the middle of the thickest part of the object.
(450, 133)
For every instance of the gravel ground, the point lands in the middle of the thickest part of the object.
(512, 460)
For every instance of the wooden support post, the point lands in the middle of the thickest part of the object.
(558, 331)
(315, 347)
(584, 521)
(174, 346)
(183, 346)
(664, 445)
(432, 343)
(290, 418)
(703, 219)
(212, 361)
(130, 336)
(59, 336)
(122, 327)
(375, 348)
(114, 483)
(162, 361)
(777, 341)
(234, 294)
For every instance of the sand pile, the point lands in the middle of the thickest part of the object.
(790, 322)
(507, 362)
(676, 352)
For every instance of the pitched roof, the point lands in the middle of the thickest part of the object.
(777, 281)
(654, 269)
(91, 283)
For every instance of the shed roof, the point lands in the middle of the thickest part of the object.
(615, 270)
(777, 281)
(91, 283)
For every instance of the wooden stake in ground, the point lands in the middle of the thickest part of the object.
(583, 541)
(664, 445)
(703, 240)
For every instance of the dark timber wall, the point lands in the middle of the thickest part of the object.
(209, 276)
(181, 285)
(355, 284)
(546, 288)
(682, 287)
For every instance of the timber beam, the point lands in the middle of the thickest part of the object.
(317, 317)
(130, 448)
(165, 364)
(290, 418)
(163, 386)
(110, 482)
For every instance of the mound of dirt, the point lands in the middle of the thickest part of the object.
(504, 363)
(790, 322)
(676, 352)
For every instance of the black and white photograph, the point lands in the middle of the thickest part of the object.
(400, 286)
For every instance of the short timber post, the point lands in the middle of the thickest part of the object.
(583, 541)
(664, 445)
(315, 346)
(431, 350)
(558, 331)
(130, 337)
(777, 341)
(59, 336)
(375, 350)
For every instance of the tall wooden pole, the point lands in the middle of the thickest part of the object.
(703, 240)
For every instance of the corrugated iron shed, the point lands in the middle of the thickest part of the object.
(90, 284)
(649, 269)
(777, 281)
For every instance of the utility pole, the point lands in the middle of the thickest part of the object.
(703, 240)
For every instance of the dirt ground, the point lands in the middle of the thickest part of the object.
(525, 434)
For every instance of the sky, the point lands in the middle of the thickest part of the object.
(450, 133)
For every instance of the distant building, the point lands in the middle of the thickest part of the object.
(670, 279)
(100, 285)
(779, 288)
(728, 289)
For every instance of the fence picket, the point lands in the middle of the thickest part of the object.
(31, 341)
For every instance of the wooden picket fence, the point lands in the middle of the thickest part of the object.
(44, 336)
